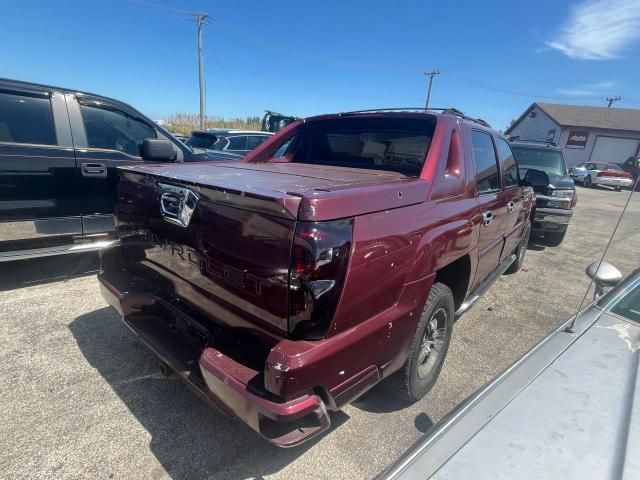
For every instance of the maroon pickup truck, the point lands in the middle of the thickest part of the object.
(338, 254)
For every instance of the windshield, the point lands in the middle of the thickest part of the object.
(545, 159)
(397, 145)
(201, 140)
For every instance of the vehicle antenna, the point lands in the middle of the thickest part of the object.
(570, 328)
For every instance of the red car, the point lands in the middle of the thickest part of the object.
(336, 255)
(602, 173)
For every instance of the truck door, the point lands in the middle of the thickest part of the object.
(492, 208)
(106, 137)
(514, 197)
(38, 185)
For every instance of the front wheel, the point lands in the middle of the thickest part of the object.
(429, 347)
(617, 189)
(587, 181)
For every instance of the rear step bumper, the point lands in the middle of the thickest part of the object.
(221, 380)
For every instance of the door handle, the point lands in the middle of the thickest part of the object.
(510, 207)
(94, 170)
(487, 218)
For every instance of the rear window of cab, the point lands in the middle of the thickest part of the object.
(388, 144)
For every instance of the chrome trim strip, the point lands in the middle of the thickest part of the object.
(60, 250)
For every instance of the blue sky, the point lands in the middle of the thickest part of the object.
(306, 58)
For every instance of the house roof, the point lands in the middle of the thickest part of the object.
(627, 119)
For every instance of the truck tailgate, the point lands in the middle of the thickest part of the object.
(231, 257)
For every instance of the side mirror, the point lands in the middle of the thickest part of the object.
(536, 178)
(604, 275)
(571, 171)
(158, 150)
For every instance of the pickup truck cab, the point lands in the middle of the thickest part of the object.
(336, 255)
(59, 151)
(556, 199)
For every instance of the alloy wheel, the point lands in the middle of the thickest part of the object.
(432, 344)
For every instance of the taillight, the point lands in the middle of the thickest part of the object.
(319, 262)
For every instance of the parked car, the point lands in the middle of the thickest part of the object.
(234, 144)
(632, 166)
(337, 254)
(59, 150)
(554, 201)
(567, 409)
(602, 173)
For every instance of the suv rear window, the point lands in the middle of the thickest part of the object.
(201, 140)
(390, 144)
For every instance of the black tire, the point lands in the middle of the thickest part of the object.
(520, 252)
(587, 181)
(417, 376)
(554, 239)
(617, 189)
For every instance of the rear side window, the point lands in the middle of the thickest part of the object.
(254, 140)
(114, 130)
(508, 164)
(486, 164)
(237, 143)
(391, 144)
(25, 119)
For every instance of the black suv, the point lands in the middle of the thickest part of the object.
(234, 144)
(554, 202)
(59, 150)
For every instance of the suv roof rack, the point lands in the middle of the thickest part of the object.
(445, 111)
(517, 138)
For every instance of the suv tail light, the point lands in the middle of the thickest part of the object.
(319, 262)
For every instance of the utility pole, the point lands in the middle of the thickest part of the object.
(430, 74)
(613, 100)
(201, 19)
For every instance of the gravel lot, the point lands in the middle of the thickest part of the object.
(81, 399)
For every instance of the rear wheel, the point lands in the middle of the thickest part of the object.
(520, 252)
(428, 348)
(554, 238)
(587, 181)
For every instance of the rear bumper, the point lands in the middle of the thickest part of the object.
(551, 219)
(217, 372)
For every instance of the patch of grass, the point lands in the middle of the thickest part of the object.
(185, 123)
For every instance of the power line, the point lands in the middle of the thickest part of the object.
(157, 8)
(233, 90)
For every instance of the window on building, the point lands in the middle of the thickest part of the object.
(25, 119)
(486, 162)
(508, 164)
(114, 130)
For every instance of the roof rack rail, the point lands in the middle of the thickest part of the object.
(445, 110)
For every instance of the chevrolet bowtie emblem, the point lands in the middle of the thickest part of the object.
(177, 204)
